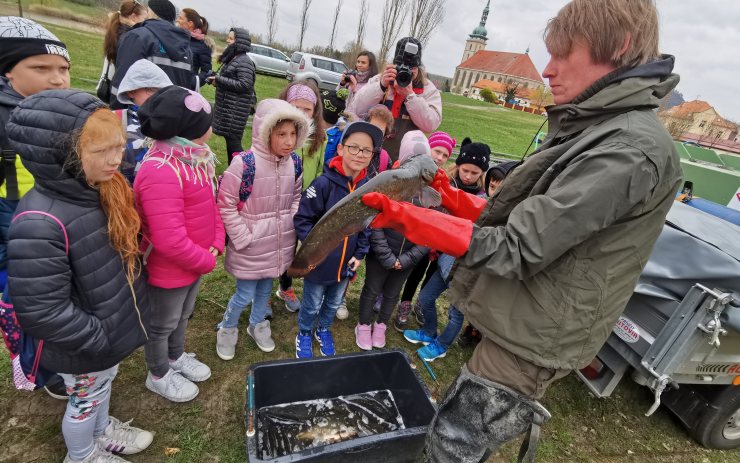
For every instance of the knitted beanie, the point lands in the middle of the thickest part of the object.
(442, 139)
(22, 38)
(477, 154)
(175, 112)
(164, 9)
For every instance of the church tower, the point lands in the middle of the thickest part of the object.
(477, 40)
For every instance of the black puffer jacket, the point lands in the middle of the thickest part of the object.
(80, 304)
(387, 245)
(202, 59)
(234, 88)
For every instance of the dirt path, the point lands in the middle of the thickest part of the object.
(11, 10)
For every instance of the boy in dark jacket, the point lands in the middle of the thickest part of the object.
(323, 288)
(159, 41)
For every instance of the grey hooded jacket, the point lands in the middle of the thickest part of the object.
(556, 254)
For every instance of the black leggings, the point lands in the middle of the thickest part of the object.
(423, 270)
(379, 280)
(285, 282)
(233, 145)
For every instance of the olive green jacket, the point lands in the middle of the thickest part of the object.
(556, 254)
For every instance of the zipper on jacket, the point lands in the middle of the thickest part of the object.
(346, 242)
(400, 251)
(277, 211)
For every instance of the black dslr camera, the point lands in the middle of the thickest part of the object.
(404, 60)
(345, 79)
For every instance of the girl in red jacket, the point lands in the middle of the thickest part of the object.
(182, 228)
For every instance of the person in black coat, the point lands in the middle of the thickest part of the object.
(234, 90)
(201, 46)
(159, 41)
(73, 261)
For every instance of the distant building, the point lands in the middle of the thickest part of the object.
(496, 66)
(698, 121)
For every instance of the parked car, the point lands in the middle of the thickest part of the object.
(324, 72)
(269, 60)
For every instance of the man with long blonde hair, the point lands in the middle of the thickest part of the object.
(551, 262)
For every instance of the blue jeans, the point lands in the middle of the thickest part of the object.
(428, 300)
(255, 291)
(320, 302)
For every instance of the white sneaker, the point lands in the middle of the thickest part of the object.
(98, 455)
(172, 386)
(123, 438)
(342, 312)
(226, 339)
(192, 369)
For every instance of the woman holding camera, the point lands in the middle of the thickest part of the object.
(414, 101)
(366, 67)
(234, 90)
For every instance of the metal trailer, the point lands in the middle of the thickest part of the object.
(680, 332)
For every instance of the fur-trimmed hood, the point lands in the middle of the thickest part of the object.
(271, 111)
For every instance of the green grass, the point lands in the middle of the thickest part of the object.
(211, 428)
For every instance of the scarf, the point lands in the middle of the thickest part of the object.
(199, 157)
(362, 77)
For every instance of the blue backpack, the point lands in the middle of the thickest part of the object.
(245, 188)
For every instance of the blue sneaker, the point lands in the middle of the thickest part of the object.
(303, 346)
(326, 342)
(417, 336)
(432, 351)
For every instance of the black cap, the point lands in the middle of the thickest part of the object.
(175, 112)
(401, 46)
(477, 154)
(365, 127)
(164, 9)
(333, 105)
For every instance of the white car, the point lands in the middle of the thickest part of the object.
(322, 71)
(269, 60)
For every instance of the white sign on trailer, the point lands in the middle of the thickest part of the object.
(735, 201)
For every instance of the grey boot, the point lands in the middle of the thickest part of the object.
(477, 416)
(226, 342)
(262, 335)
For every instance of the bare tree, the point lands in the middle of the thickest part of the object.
(361, 24)
(678, 125)
(334, 26)
(394, 15)
(426, 16)
(304, 22)
(272, 21)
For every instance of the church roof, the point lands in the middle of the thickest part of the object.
(690, 107)
(503, 62)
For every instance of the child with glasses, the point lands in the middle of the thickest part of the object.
(324, 286)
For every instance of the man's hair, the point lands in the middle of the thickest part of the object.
(603, 25)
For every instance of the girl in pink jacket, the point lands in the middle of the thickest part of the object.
(182, 229)
(258, 196)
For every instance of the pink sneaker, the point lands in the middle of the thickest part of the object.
(379, 335)
(363, 337)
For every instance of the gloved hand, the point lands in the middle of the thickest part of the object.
(425, 227)
(457, 202)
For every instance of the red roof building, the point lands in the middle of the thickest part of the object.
(497, 66)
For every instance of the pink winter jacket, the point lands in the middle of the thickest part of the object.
(261, 234)
(179, 217)
(425, 110)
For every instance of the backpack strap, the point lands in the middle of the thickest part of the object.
(55, 219)
(248, 170)
(297, 164)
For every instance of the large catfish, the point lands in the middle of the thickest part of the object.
(350, 215)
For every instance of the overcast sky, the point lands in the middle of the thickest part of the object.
(703, 35)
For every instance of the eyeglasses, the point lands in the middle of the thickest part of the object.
(355, 150)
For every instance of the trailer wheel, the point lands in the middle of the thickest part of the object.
(719, 428)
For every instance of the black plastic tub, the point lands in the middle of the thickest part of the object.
(286, 381)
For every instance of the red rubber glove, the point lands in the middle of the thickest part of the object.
(457, 202)
(425, 227)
